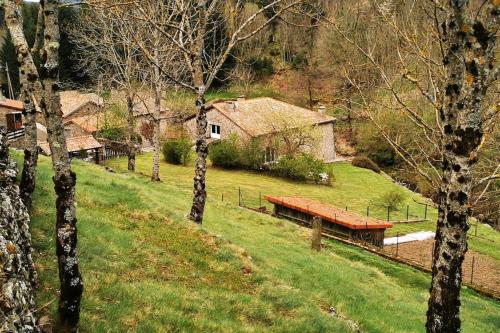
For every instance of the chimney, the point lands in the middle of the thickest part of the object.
(231, 105)
(322, 109)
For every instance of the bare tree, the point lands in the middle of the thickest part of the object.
(446, 52)
(104, 35)
(194, 23)
(30, 91)
(71, 283)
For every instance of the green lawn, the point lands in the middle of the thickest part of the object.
(358, 189)
(147, 269)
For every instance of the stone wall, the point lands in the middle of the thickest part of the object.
(17, 271)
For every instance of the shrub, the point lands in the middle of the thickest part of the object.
(365, 163)
(225, 153)
(300, 167)
(251, 155)
(393, 199)
(177, 151)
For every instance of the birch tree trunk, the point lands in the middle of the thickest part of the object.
(130, 132)
(71, 284)
(470, 68)
(28, 76)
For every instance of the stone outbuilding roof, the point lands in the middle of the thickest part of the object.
(89, 123)
(12, 104)
(74, 144)
(72, 101)
(254, 116)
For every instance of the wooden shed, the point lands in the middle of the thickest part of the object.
(334, 220)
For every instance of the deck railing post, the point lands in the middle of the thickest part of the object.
(316, 234)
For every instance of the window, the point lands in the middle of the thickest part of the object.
(215, 131)
(271, 155)
(14, 121)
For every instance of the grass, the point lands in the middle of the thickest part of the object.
(354, 188)
(147, 269)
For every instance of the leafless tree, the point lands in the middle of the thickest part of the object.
(71, 283)
(446, 65)
(30, 92)
(195, 22)
(104, 35)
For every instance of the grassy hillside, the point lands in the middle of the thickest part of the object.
(354, 188)
(147, 269)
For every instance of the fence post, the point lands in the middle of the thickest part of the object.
(407, 212)
(472, 270)
(425, 214)
(397, 244)
(316, 234)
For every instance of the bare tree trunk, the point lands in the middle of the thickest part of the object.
(28, 75)
(199, 192)
(156, 135)
(130, 132)
(71, 283)
(470, 56)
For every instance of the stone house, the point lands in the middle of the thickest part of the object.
(265, 118)
(75, 104)
(11, 114)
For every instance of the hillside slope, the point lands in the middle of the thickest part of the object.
(147, 269)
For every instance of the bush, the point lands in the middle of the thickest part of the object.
(393, 199)
(226, 153)
(300, 167)
(251, 155)
(365, 163)
(177, 151)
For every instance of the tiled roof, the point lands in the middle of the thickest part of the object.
(255, 116)
(74, 144)
(72, 101)
(329, 213)
(12, 104)
(88, 123)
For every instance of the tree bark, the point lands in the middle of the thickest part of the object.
(29, 85)
(71, 284)
(156, 115)
(156, 135)
(130, 132)
(470, 48)
(199, 192)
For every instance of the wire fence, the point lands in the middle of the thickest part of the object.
(409, 213)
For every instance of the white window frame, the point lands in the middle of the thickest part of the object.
(216, 134)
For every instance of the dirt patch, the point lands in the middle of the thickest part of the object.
(486, 269)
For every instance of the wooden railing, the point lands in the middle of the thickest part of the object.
(19, 133)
